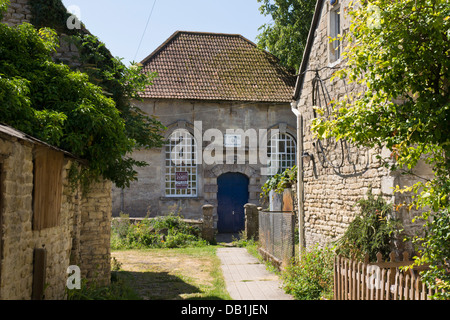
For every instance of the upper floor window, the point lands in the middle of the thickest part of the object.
(181, 172)
(334, 23)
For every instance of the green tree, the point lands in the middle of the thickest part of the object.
(286, 35)
(123, 85)
(400, 51)
(95, 121)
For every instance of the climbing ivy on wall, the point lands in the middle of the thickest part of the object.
(51, 14)
(87, 111)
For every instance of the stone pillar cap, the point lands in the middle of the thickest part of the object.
(250, 205)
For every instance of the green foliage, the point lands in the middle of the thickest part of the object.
(373, 230)
(311, 277)
(51, 14)
(400, 51)
(88, 113)
(123, 85)
(115, 264)
(3, 7)
(286, 36)
(117, 290)
(280, 181)
(243, 241)
(50, 101)
(161, 232)
(436, 241)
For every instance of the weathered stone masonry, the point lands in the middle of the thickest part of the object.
(80, 238)
(328, 197)
(82, 235)
(146, 196)
(18, 12)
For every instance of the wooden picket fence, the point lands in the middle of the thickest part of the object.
(382, 280)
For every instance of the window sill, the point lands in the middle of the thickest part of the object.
(335, 63)
(181, 198)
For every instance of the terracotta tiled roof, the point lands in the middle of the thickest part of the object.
(211, 66)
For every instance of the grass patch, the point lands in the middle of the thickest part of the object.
(119, 289)
(252, 247)
(192, 273)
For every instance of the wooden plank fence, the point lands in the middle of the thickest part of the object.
(356, 280)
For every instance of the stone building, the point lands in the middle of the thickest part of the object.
(222, 100)
(334, 175)
(47, 224)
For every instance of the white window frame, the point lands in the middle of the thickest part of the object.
(334, 29)
(282, 152)
(180, 155)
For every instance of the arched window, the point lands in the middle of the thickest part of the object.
(282, 153)
(181, 165)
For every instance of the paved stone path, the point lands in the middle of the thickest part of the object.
(247, 279)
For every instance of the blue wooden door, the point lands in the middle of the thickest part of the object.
(232, 195)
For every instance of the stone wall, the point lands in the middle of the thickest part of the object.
(19, 11)
(17, 254)
(80, 238)
(95, 232)
(331, 190)
(147, 195)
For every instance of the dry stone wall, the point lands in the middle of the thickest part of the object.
(95, 231)
(17, 255)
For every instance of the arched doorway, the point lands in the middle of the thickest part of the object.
(232, 195)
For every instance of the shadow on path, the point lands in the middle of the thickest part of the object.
(226, 239)
(161, 286)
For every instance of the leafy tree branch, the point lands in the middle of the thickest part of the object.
(88, 112)
(285, 36)
(400, 52)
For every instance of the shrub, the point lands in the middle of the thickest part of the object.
(161, 232)
(243, 241)
(436, 243)
(117, 290)
(372, 230)
(279, 182)
(141, 235)
(177, 239)
(311, 276)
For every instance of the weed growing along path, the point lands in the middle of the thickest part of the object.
(173, 274)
